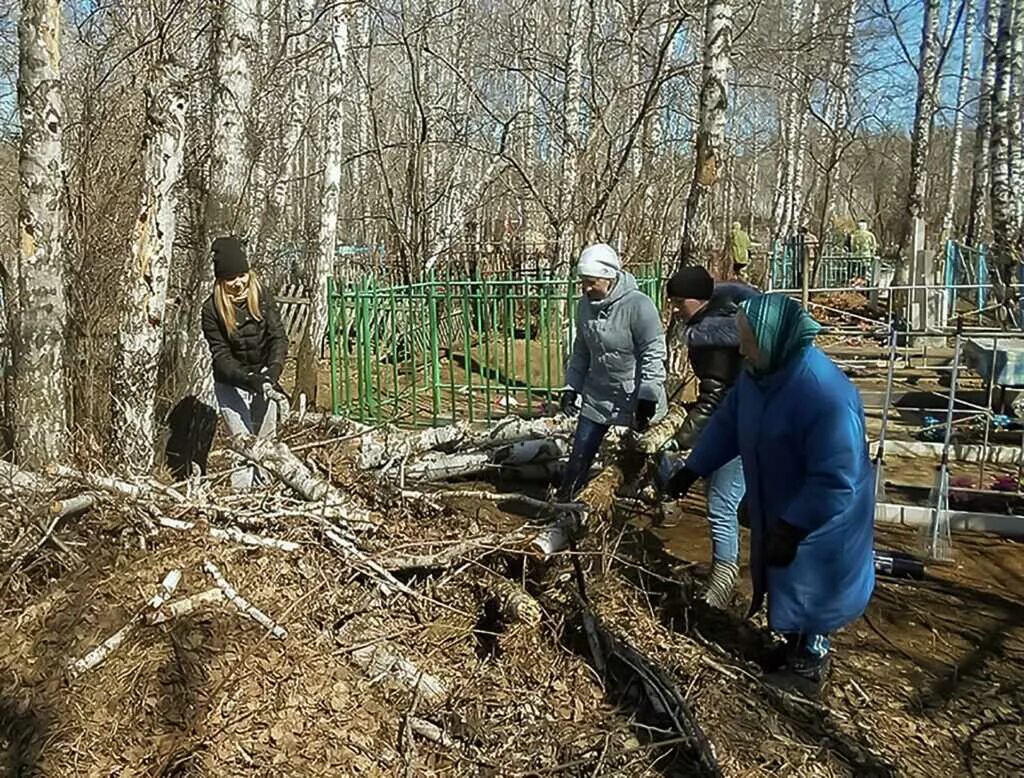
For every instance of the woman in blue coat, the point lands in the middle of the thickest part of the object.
(798, 423)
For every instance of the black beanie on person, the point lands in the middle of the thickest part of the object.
(691, 282)
(229, 258)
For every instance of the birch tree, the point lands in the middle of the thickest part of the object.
(235, 40)
(1005, 222)
(983, 131)
(698, 233)
(927, 77)
(570, 132)
(958, 119)
(40, 315)
(322, 263)
(141, 324)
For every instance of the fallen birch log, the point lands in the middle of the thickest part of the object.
(342, 425)
(381, 661)
(244, 607)
(379, 448)
(184, 606)
(111, 644)
(438, 467)
(277, 459)
(428, 730)
(479, 494)
(72, 505)
(231, 535)
(13, 478)
(440, 559)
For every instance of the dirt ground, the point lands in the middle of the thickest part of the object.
(932, 678)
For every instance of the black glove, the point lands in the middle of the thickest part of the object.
(780, 544)
(568, 402)
(679, 484)
(255, 382)
(645, 410)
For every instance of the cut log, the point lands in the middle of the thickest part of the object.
(111, 644)
(380, 447)
(277, 459)
(184, 606)
(72, 505)
(381, 660)
(515, 605)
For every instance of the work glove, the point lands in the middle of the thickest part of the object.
(257, 383)
(780, 544)
(568, 402)
(673, 478)
(645, 410)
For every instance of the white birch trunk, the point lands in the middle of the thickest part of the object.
(570, 135)
(797, 215)
(287, 193)
(698, 236)
(1015, 116)
(1004, 213)
(323, 265)
(234, 46)
(980, 173)
(40, 412)
(141, 323)
(235, 40)
(923, 117)
(970, 15)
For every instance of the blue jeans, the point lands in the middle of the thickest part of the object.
(725, 489)
(585, 445)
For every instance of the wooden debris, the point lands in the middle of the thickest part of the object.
(72, 505)
(276, 458)
(184, 606)
(244, 607)
(111, 644)
(381, 661)
(516, 606)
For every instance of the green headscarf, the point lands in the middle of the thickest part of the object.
(782, 328)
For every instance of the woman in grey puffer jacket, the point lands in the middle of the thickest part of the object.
(617, 363)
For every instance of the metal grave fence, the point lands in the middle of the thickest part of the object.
(454, 349)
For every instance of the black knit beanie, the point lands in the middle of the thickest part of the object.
(229, 258)
(692, 282)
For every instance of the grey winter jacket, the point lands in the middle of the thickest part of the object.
(618, 354)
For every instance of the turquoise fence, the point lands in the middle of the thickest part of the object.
(454, 349)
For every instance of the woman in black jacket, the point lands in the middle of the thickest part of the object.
(248, 345)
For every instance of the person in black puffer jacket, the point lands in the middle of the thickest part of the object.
(708, 312)
(248, 344)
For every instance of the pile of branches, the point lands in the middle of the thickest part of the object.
(351, 581)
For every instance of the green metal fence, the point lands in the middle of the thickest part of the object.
(454, 349)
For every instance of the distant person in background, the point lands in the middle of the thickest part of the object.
(798, 424)
(863, 243)
(248, 344)
(616, 371)
(708, 311)
(738, 250)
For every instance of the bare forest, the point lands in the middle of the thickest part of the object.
(374, 605)
(417, 130)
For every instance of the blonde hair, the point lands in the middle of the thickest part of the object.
(226, 306)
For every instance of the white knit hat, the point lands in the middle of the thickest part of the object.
(599, 261)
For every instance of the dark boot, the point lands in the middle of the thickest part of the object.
(805, 667)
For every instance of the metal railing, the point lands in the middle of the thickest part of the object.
(452, 349)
